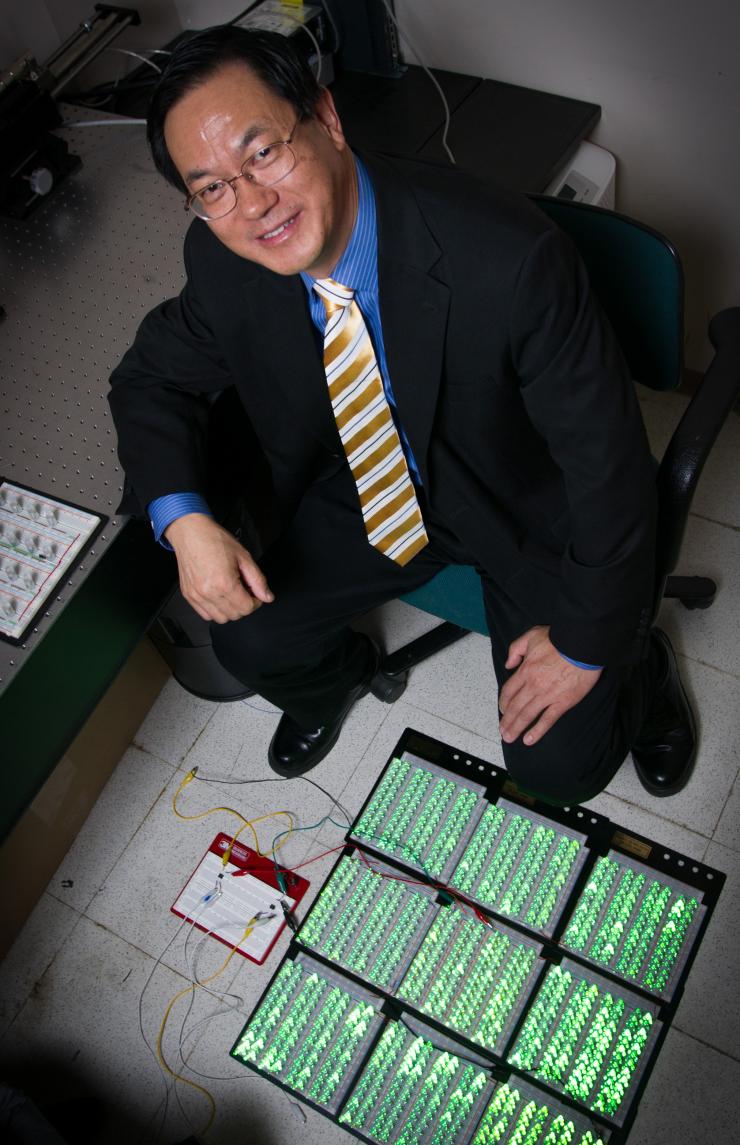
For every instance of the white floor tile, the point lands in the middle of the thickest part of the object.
(174, 723)
(716, 700)
(78, 1032)
(234, 744)
(728, 828)
(46, 929)
(710, 1007)
(133, 788)
(395, 624)
(691, 1096)
(718, 491)
(135, 899)
(404, 714)
(256, 1111)
(711, 635)
(459, 685)
(651, 825)
(661, 413)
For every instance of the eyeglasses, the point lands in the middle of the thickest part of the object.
(264, 167)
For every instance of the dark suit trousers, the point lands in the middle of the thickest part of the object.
(300, 654)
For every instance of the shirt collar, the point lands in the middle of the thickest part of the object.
(357, 267)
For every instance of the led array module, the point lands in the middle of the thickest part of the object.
(414, 1092)
(368, 922)
(420, 815)
(587, 1038)
(472, 978)
(310, 1031)
(493, 979)
(520, 865)
(635, 922)
(518, 1114)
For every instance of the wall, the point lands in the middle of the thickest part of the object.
(666, 75)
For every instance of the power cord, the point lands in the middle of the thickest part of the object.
(404, 36)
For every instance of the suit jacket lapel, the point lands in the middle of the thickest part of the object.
(413, 306)
(289, 366)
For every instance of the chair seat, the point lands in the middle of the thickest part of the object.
(454, 594)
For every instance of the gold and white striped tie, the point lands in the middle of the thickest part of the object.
(390, 509)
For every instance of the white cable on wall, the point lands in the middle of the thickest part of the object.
(432, 77)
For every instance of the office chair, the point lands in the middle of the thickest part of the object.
(636, 275)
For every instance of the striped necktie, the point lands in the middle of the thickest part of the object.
(376, 459)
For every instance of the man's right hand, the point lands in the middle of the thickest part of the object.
(218, 577)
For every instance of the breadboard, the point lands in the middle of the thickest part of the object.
(220, 900)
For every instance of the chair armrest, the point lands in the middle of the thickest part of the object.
(689, 447)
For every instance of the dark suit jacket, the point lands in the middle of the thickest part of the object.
(508, 381)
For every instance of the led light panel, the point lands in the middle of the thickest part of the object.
(520, 865)
(518, 1114)
(587, 1038)
(419, 1023)
(473, 978)
(633, 921)
(310, 1031)
(415, 1092)
(368, 922)
(421, 815)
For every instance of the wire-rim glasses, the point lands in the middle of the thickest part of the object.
(264, 167)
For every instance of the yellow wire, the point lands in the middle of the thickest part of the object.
(181, 994)
(246, 823)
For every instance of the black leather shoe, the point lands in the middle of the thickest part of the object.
(665, 748)
(295, 750)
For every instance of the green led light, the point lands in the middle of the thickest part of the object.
(366, 922)
(471, 977)
(419, 815)
(411, 1092)
(517, 1114)
(584, 1040)
(634, 923)
(520, 866)
(309, 1032)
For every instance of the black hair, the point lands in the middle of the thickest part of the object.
(195, 59)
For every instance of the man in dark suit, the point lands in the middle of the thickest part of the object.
(516, 440)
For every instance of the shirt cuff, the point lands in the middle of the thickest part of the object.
(164, 510)
(579, 663)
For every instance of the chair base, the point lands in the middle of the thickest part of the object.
(398, 663)
(692, 591)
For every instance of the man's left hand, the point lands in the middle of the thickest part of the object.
(543, 687)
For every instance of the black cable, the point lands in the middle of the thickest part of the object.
(336, 40)
(279, 779)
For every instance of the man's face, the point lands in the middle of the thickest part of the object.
(301, 223)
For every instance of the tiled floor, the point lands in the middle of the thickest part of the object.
(101, 950)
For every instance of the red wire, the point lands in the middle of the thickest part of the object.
(384, 875)
(437, 886)
(317, 857)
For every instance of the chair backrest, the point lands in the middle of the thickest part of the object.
(636, 275)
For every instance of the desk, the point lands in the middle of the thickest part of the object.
(500, 132)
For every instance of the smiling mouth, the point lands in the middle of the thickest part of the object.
(278, 232)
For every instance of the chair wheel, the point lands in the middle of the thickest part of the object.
(700, 602)
(388, 688)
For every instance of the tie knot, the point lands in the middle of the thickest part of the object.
(333, 294)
